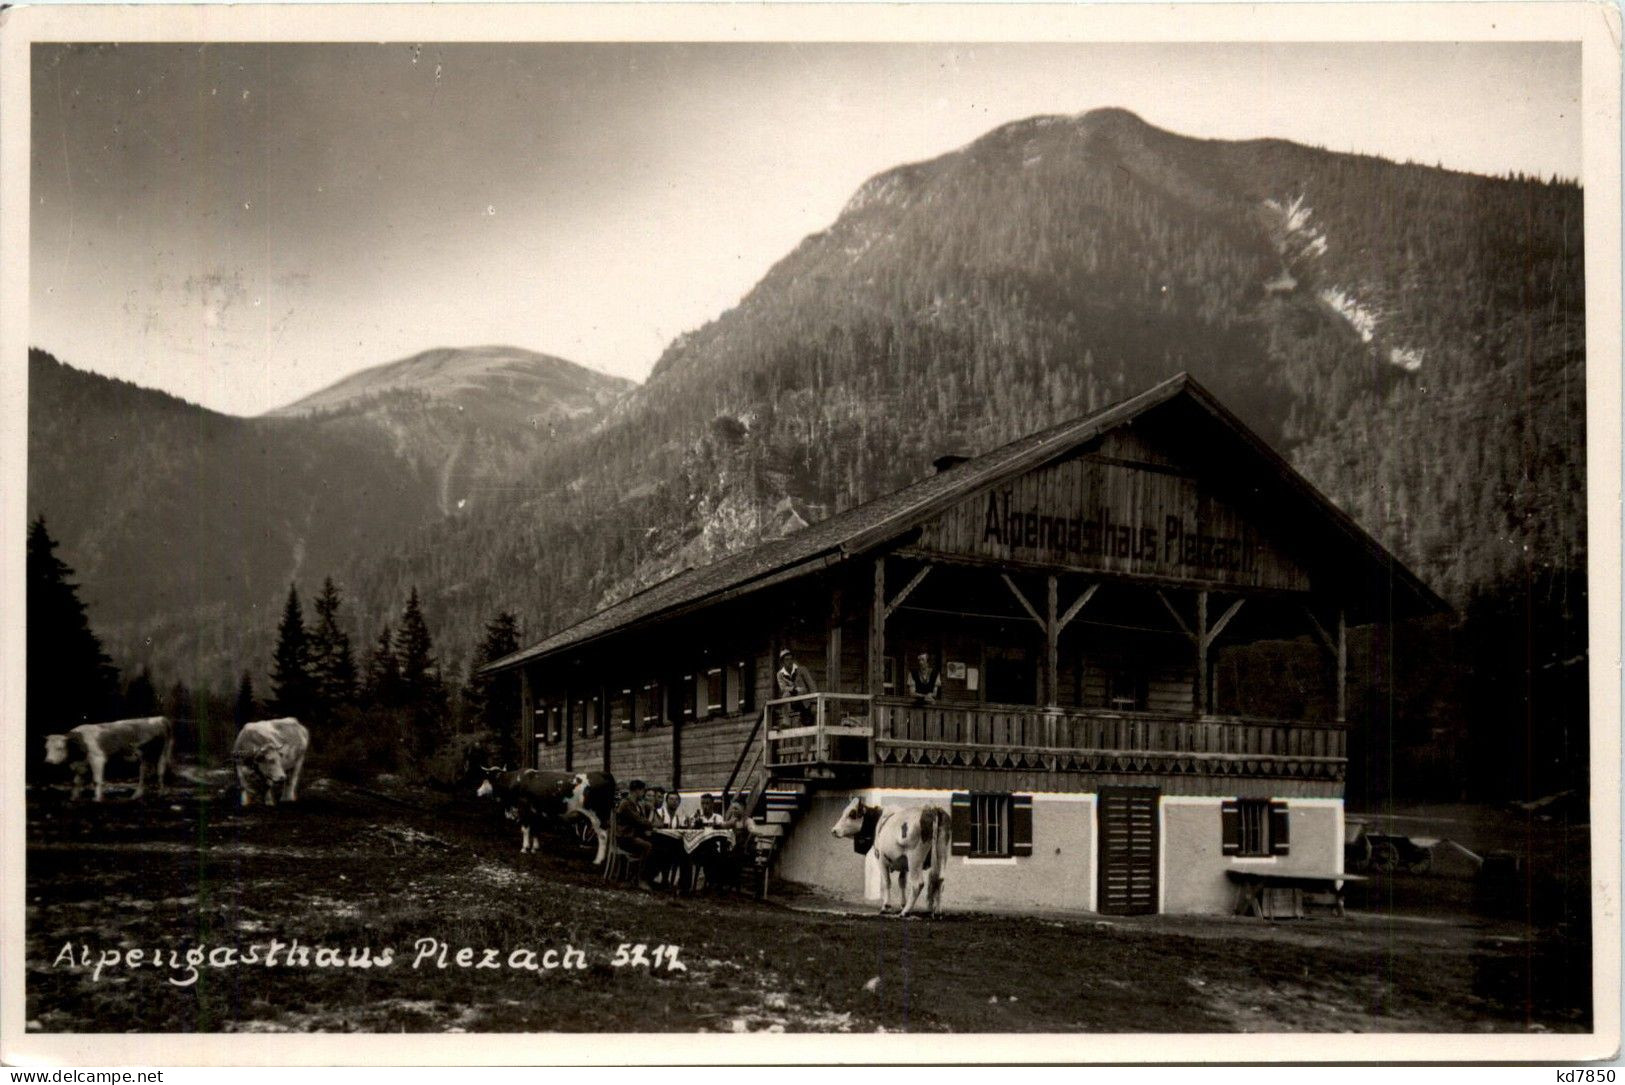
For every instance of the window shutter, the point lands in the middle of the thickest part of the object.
(1230, 819)
(1279, 839)
(1021, 825)
(960, 820)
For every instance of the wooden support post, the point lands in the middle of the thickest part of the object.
(1342, 667)
(603, 722)
(877, 631)
(1052, 643)
(1201, 637)
(527, 722)
(832, 651)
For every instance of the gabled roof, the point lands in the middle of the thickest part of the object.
(864, 527)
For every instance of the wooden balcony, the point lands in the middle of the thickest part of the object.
(821, 734)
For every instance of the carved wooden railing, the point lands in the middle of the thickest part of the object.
(1099, 740)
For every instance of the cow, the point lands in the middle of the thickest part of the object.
(531, 796)
(149, 740)
(910, 841)
(268, 753)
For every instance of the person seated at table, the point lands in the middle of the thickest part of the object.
(708, 816)
(666, 815)
(632, 825)
(651, 802)
(924, 680)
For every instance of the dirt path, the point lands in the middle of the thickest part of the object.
(355, 874)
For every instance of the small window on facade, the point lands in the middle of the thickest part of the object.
(992, 824)
(742, 697)
(620, 715)
(555, 722)
(595, 714)
(1126, 688)
(888, 681)
(649, 707)
(1254, 827)
(713, 691)
(538, 723)
(686, 692)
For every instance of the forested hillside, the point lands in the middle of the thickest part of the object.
(186, 526)
(1410, 337)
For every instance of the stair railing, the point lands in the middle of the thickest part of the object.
(744, 750)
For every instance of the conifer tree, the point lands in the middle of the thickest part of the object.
(140, 698)
(291, 686)
(493, 701)
(332, 664)
(247, 707)
(422, 692)
(381, 685)
(70, 679)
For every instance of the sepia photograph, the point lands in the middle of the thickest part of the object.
(818, 527)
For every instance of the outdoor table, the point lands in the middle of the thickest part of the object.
(1252, 886)
(680, 846)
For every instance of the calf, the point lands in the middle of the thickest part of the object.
(271, 753)
(149, 741)
(910, 841)
(532, 796)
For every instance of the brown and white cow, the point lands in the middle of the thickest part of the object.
(270, 755)
(149, 740)
(909, 841)
(532, 796)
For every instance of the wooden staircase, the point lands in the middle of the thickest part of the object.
(774, 806)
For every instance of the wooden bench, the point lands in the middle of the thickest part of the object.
(1268, 895)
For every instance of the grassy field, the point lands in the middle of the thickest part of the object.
(356, 872)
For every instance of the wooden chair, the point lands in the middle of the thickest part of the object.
(619, 864)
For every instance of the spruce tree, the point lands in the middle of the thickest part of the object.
(291, 686)
(247, 709)
(332, 664)
(493, 701)
(140, 698)
(70, 680)
(422, 692)
(382, 682)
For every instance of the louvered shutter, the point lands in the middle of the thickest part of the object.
(1021, 825)
(1280, 839)
(959, 817)
(1230, 822)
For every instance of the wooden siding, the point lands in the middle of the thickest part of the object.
(1096, 513)
(711, 747)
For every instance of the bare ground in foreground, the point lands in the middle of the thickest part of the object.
(352, 870)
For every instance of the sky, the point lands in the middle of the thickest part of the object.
(242, 225)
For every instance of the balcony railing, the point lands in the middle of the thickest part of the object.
(836, 732)
(820, 730)
(1104, 740)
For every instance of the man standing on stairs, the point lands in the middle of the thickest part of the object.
(794, 681)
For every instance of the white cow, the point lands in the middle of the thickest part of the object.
(149, 740)
(910, 841)
(268, 753)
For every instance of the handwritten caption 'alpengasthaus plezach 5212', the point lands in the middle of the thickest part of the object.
(427, 954)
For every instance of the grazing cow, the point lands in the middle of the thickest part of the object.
(268, 753)
(149, 741)
(532, 796)
(911, 842)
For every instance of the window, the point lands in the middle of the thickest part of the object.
(685, 705)
(595, 714)
(992, 824)
(713, 692)
(743, 694)
(649, 706)
(1126, 688)
(620, 708)
(538, 724)
(888, 679)
(1254, 828)
(555, 723)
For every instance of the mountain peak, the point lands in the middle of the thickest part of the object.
(456, 374)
